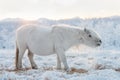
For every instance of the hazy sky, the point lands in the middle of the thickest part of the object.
(58, 9)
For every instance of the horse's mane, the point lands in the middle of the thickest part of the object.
(67, 27)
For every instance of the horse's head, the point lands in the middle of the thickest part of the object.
(91, 38)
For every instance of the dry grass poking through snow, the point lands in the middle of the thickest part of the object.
(74, 70)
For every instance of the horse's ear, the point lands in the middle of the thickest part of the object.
(86, 30)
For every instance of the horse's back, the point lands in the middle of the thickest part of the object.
(34, 27)
(29, 30)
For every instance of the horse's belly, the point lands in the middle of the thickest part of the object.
(42, 51)
(42, 46)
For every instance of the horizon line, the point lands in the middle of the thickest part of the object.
(59, 18)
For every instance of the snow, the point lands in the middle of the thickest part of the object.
(100, 65)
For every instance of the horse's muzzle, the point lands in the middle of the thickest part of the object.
(99, 42)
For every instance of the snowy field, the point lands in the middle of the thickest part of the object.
(100, 64)
(89, 65)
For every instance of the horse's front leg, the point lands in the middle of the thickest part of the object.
(58, 62)
(61, 55)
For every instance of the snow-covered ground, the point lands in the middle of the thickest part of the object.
(99, 64)
(88, 65)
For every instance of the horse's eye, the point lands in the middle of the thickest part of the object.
(90, 36)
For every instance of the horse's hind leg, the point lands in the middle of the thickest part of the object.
(21, 49)
(30, 56)
(16, 58)
(20, 56)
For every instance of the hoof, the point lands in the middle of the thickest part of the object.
(34, 67)
(18, 68)
(58, 68)
(68, 70)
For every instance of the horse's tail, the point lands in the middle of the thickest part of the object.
(17, 54)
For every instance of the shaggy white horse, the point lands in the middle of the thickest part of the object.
(43, 40)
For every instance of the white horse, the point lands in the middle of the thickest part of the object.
(43, 40)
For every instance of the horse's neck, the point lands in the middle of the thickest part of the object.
(71, 37)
